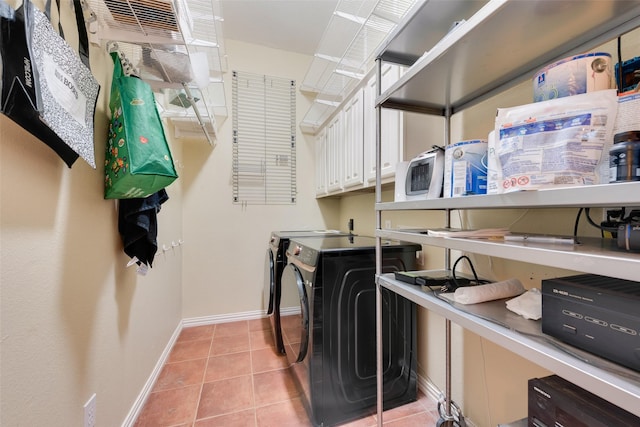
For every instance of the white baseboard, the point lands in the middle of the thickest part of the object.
(222, 318)
(289, 311)
(427, 387)
(234, 317)
(133, 414)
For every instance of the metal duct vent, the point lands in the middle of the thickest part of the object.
(177, 47)
(152, 16)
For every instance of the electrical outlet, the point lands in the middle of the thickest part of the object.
(387, 224)
(90, 412)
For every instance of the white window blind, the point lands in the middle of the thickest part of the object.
(264, 139)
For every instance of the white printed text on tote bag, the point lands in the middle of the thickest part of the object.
(65, 90)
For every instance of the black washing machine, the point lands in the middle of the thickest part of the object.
(334, 346)
(276, 261)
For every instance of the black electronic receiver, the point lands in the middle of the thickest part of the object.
(443, 282)
(554, 401)
(595, 313)
(409, 277)
(440, 279)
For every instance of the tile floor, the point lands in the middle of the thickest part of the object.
(228, 375)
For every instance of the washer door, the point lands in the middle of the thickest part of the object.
(269, 286)
(298, 337)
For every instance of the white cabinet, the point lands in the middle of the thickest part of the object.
(335, 157)
(321, 163)
(391, 131)
(340, 148)
(346, 146)
(353, 125)
(491, 52)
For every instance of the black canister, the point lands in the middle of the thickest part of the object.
(624, 157)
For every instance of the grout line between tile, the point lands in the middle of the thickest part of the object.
(253, 385)
(204, 374)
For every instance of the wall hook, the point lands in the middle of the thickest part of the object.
(112, 46)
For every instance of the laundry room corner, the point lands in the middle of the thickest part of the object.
(225, 254)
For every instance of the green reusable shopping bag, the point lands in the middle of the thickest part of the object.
(138, 161)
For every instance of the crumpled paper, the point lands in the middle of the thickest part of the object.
(527, 305)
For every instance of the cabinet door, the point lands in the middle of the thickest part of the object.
(334, 154)
(321, 163)
(391, 129)
(353, 140)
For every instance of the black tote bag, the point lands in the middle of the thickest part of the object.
(19, 98)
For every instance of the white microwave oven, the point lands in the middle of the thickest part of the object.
(421, 177)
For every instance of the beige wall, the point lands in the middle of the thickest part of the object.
(226, 243)
(74, 320)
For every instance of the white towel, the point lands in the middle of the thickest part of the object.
(488, 292)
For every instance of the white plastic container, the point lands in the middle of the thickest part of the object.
(574, 75)
(465, 168)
